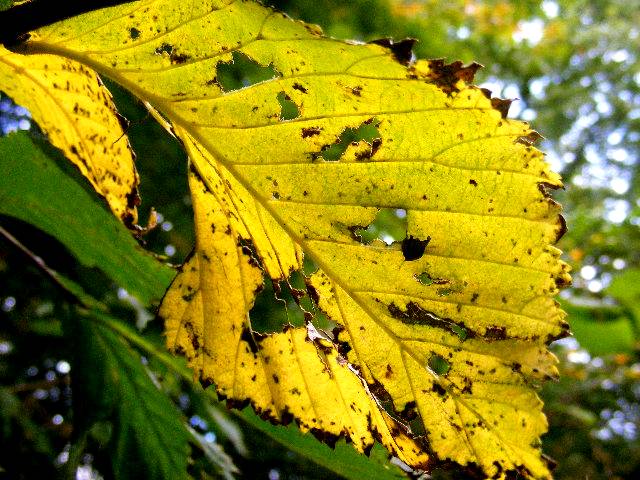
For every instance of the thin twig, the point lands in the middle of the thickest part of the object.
(52, 274)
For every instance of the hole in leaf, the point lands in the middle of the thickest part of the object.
(164, 48)
(288, 109)
(275, 306)
(459, 331)
(417, 426)
(438, 364)
(388, 227)
(413, 248)
(414, 314)
(443, 292)
(368, 132)
(273, 310)
(424, 278)
(242, 72)
(134, 33)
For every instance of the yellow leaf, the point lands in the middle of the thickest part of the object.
(75, 110)
(284, 375)
(451, 324)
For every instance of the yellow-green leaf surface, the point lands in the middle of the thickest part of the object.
(76, 112)
(450, 326)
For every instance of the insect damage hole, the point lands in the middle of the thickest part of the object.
(285, 303)
(367, 132)
(438, 364)
(242, 72)
(288, 109)
(389, 226)
(413, 248)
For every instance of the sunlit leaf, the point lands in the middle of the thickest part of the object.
(450, 325)
(285, 375)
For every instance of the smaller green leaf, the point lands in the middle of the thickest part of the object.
(601, 332)
(34, 188)
(150, 440)
(625, 288)
(342, 460)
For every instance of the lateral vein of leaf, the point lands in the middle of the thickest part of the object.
(148, 419)
(342, 115)
(446, 212)
(414, 392)
(304, 377)
(275, 79)
(391, 161)
(389, 249)
(453, 347)
(501, 402)
(448, 345)
(135, 45)
(442, 300)
(70, 39)
(273, 248)
(240, 253)
(466, 433)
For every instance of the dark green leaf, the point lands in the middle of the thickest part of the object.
(343, 460)
(34, 188)
(149, 439)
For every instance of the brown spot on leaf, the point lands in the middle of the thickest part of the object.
(402, 50)
(300, 88)
(310, 131)
(446, 76)
(529, 139)
(502, 105)
(562, 228)
(495, 332)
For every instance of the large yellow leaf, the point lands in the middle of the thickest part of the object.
(451, 324)
(76, 112)
(288, 375)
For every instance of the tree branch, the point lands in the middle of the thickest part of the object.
(18, 21)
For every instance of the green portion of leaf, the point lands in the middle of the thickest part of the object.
(150, 440)
(601, 334)
(343, 460)
(40, 193)
(625, 288)
(242, 72)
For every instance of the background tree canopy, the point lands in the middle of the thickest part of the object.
(574, 68)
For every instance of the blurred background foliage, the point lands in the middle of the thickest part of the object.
(574, 68)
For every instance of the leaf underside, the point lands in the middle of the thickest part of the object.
(449, 328)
